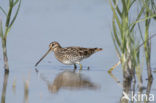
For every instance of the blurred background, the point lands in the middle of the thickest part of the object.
(86, 23)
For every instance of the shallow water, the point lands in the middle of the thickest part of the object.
(71, 23)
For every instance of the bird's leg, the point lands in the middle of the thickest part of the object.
(80, 66)
(75, 67)
(88, 68)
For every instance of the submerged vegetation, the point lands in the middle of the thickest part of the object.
(126, 40)
(8, 24)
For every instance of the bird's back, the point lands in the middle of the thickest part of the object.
(75, 54)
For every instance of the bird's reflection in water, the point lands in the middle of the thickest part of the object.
(70, 80)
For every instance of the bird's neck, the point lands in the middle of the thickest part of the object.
(57, 48)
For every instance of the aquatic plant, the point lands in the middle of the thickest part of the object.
(125, 39)
(149, 11)
(4, 89)
(26, 90)
(8, 24)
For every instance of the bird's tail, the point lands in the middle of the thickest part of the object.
(98, 49)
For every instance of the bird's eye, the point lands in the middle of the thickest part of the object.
(52, 44)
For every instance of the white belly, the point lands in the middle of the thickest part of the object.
(67, 62)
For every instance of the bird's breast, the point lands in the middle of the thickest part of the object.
(65, 59)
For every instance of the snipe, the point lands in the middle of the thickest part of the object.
(69, 55)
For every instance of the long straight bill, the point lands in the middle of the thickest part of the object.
(43, 57)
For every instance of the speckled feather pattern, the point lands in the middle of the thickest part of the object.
(69, 55)
(72, 55)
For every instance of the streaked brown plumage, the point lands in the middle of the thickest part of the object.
(70, 55)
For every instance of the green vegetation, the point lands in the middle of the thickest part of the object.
(125, 39)
(149, 11)
(8, 24)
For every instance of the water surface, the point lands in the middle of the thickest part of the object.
(71, 23)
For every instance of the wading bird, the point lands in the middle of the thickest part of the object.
(69, 55)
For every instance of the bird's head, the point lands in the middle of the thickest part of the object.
(54, 45)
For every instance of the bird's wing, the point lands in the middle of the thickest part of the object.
(79, 51)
